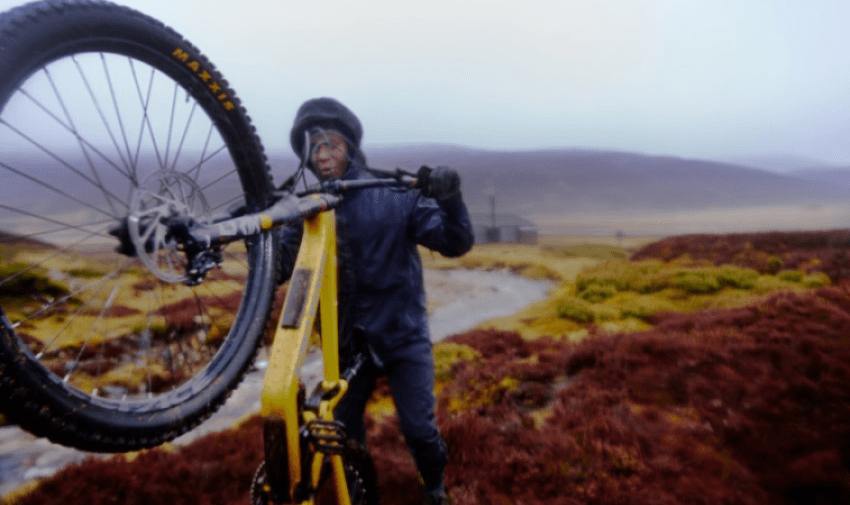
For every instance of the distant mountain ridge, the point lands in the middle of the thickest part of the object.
(582, 180)
(558, 181)
(832, 176)
(783, 163)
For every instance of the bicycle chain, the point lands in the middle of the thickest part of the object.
(351, 472)
(259, 496)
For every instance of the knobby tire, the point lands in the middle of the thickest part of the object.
(96, 352)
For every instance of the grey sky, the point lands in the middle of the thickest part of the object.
(694, 78)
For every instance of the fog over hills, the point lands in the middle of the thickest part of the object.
(832, 176)
(577, 180)
(784, 163)
(561, 190)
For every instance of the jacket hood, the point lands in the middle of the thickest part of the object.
(329, 113)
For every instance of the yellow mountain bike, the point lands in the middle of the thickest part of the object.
(138, 251)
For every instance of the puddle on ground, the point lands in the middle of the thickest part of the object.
(462, 299)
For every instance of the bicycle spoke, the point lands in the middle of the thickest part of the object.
(227, 203)
(67, 226)
(101, 114)
(56, 190)
(199, 165)
(221, 177)
(183, 137)
(57, 158)
(143, 101)
(73, 294)
(226, 307)
(168, 135)
(59, 253)
(87, 144)
(34, 235)
(108, 75)
(70, 367)
(147, 124)
(78, 137)
(106, 306)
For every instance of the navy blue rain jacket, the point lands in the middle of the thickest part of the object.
(381, 284)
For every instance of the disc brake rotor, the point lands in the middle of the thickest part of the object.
(161, 197)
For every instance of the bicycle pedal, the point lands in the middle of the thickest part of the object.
(329, 437)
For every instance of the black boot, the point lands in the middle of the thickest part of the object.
(435, 497)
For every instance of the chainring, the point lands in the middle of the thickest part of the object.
(260, 492)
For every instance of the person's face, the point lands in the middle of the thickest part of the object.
(329, 154)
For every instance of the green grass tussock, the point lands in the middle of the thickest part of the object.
(576, 309)
(644, 306)
(593, 251)
(639, 289)
(20, 280)
(595, 293)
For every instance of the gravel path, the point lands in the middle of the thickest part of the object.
(459, 300)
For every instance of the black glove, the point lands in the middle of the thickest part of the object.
(440, 183)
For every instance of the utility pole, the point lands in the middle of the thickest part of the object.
(490, 193)
(492, 199)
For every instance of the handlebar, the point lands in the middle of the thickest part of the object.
(289, 208)
(202, 242)
(340, 186)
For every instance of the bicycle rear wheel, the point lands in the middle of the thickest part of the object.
(105, 113)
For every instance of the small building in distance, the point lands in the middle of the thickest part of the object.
(503, 228)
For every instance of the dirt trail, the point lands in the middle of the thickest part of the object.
(458, 300)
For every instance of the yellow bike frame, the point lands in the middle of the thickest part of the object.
(313, 286)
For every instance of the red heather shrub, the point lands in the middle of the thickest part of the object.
(742, 406)
(180, 315)
(745, 406)
(398, 479)
(215, 469)
(824, 251)
(765, 387)
(492, 343)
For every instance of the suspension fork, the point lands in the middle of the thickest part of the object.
(313, 285)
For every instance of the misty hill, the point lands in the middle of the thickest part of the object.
(18, 240)
(529, 182)
(831, 175)
(576, 180)
(783, 163)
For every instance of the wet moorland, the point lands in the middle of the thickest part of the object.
(695, 369)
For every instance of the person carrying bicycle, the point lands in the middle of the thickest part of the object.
(382, 296)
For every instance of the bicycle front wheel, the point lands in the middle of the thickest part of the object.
(106, 114)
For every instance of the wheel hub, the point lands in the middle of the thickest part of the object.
(160, 199)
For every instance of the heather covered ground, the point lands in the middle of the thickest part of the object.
(703, 369)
